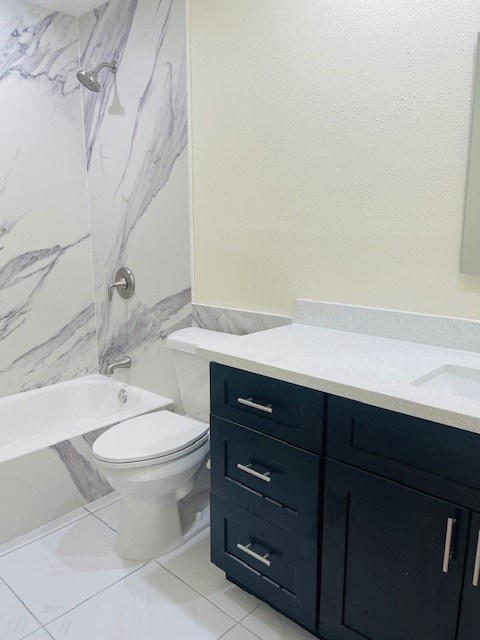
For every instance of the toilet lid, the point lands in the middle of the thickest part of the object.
(152, 435)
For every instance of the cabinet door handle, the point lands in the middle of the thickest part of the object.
(254, 405)
(448, 544)
(476, 570)
(247, 468)
(246, 549)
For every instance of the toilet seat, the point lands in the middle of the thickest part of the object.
(161, 436)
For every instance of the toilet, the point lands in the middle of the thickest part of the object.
(154, 460)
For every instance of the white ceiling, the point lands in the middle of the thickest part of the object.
(72, 7)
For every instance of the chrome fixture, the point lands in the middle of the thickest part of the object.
(248, 402)
(124, 284)
(89, 78)
(476, 569)
(122, 396)
(247, 468)
(246, 548)
(124, 363)
(447, 553)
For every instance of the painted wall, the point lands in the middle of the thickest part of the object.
(47, 326)
(329, 147)
(136, 145)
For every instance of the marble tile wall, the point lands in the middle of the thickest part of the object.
(88, 179)
(236, 321)
(47, 323)
(136, 146)
(44, 485)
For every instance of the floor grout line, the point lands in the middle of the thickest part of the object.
(7, 553)
(243, 627)
(108, 504)
(103, 522)
(252, 632)
(198, 592)
(226, 632)
(95, 594)
(234, 622)
(23, 603)
(250, 612)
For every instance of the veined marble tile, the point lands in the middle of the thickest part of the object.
(269, 624)
(47, 328)
(149, 603)
(240, 633)
(15, 620)
(191, 563)
(105, 32)
(42, 531)
(236, 321)
(101, 503)
(37, 488)
(136, 138)
(41, 634)
(77, 458)
(61, 570)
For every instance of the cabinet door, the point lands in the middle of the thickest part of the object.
(470, 612)
(391, 570)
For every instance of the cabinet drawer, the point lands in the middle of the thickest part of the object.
(286, 411)
(274, 480)
(428, 455)
(271, 563)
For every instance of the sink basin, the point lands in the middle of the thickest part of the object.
(457, 381)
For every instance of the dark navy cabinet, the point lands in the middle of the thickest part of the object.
(267, 491)
(390, 571)
(401, 551)
(470, 609)
(356, 522)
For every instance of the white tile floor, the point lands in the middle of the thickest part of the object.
(64, 581)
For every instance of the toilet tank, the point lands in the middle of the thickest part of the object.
(192, 371)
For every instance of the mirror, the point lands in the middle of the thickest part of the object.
(470, 262)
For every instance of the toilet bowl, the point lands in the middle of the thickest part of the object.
(154, 460)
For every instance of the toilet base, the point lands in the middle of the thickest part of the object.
(151, 528)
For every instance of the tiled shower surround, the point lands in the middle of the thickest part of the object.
(137, 163)
(47, 317)
(116, 197)
(89, 183)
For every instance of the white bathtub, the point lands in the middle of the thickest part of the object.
(46, 437)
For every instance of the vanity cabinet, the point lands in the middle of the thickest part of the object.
(390, 570)
(356, 522)
(266, 440)
(470, 610)
(401, 529)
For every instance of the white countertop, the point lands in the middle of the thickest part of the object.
(376, 371)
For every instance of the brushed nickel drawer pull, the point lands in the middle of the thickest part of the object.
(448, 544)
(248, 402)
(246, 549)
(476, 570)
(247, 468)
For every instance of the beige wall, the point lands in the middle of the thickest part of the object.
(329, 152)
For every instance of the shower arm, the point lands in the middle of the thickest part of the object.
(112, 66)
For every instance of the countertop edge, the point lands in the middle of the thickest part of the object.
(425, 411)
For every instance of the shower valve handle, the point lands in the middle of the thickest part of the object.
(124, 283)
(119, 284)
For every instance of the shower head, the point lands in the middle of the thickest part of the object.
(89, 78)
